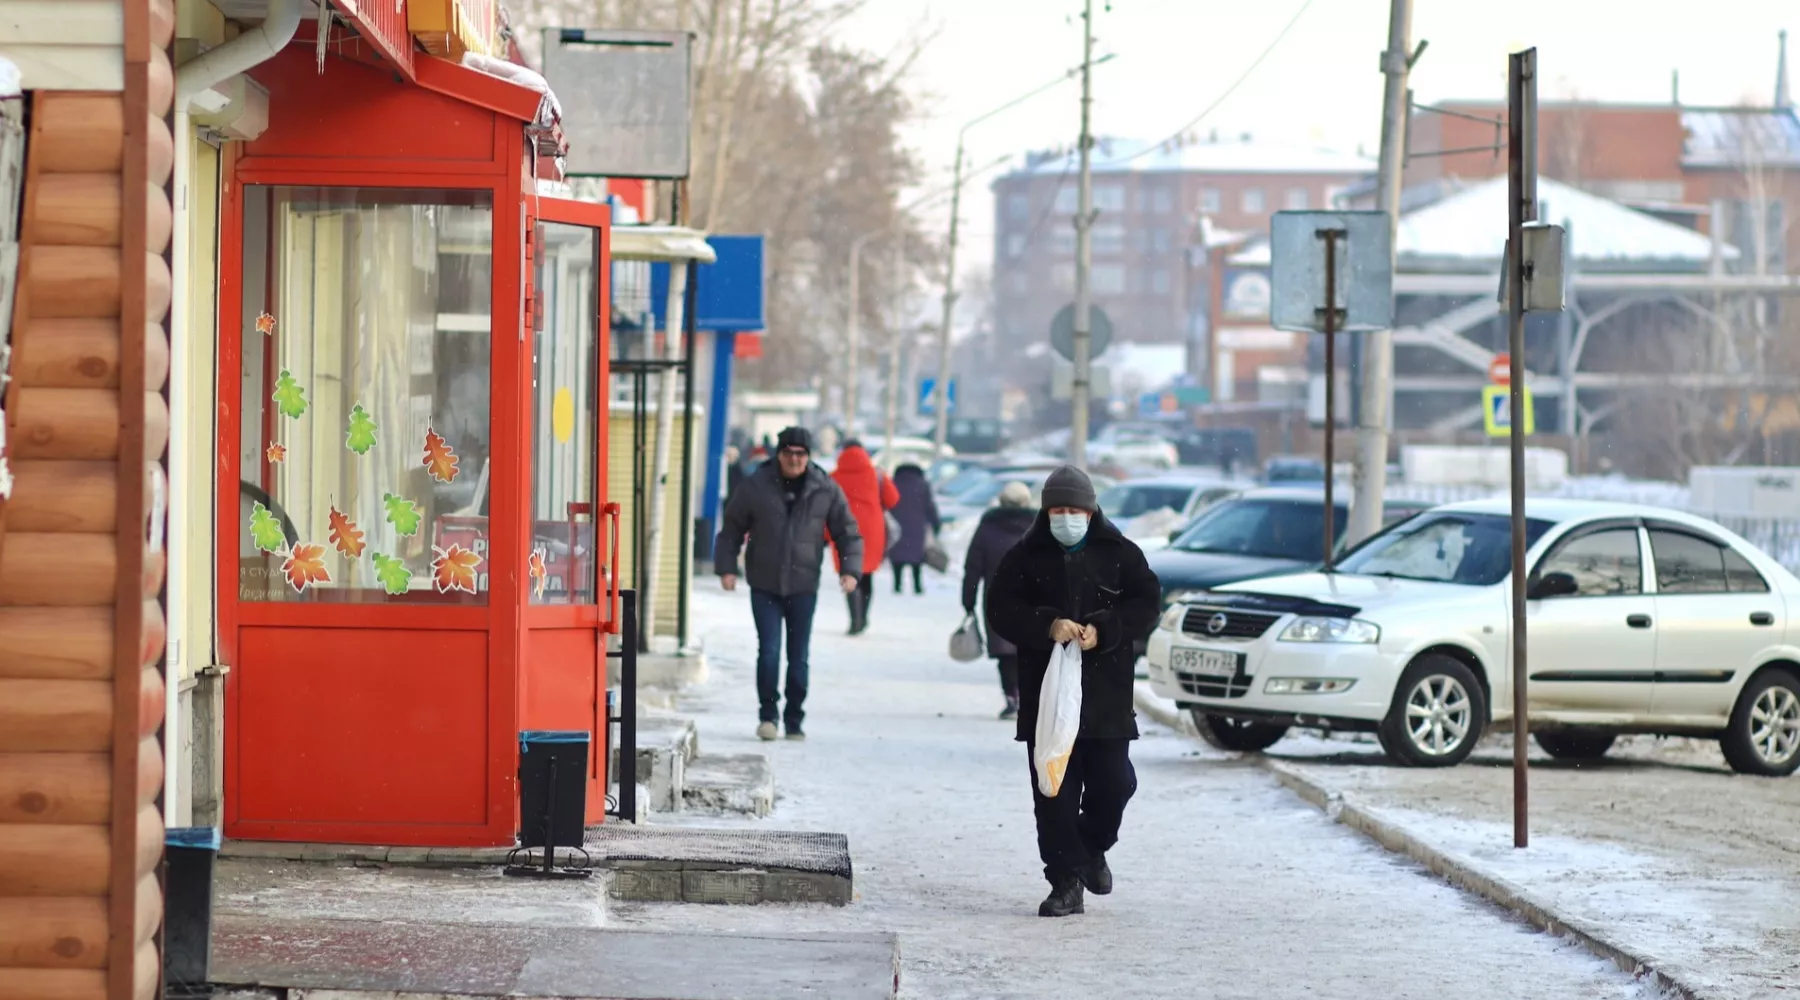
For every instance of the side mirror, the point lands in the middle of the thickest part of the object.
(1551, 585)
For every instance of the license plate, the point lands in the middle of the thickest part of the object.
(1204, 661)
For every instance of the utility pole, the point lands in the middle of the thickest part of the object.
(1378, 347)
(941, 397)
(853, 334)
(898, 331)
(1084, 254)
(1521, 207)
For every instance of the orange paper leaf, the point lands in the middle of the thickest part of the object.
(276, 453)
(440, 458)
(540, 574)
(305, 566)
(454, 569)
(345, 535)
(265, 324)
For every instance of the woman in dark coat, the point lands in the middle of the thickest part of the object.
(999, 530)
(918, 516)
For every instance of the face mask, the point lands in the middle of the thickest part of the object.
(1069, 529)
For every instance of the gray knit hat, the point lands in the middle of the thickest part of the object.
(1069, 487)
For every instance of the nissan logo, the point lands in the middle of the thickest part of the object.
(1217, 623)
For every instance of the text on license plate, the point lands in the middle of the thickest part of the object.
(1204, 661)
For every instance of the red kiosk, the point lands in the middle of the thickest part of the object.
(413, 533)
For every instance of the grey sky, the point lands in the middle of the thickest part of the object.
(1321, 85)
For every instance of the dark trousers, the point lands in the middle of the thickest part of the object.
(774, 613)
(1083, 820)
(858, 600)
(1009, 674)
(918, 575)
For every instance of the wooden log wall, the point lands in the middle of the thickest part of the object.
(81, 623)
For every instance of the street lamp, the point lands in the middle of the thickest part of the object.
(940, 402)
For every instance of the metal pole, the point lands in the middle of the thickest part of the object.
(941, 391)
(1330, 236)
(684, 575)
(899, 323)
(628, 664)
(853, 336)
(1084, 256)
(1521, 205)
(1376, 350)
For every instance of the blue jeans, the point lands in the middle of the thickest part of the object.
(773, 611)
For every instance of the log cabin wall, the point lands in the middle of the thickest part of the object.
(81, 624)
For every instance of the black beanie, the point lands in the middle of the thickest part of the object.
(1069, 487)
(795, 437)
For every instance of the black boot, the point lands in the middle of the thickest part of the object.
(1065, 898)
(1011, 711)
(1097, 876)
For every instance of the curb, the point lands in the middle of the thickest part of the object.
(1351, 813)
(1161, 712)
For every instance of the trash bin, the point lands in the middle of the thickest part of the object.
(552, 787)
(189, 853)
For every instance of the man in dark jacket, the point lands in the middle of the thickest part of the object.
(785, 507)
(1075, 578)
(1000, 529)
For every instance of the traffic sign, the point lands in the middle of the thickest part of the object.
(1496, 411)
(1062, 332)
(928, 396)
(1500, 369)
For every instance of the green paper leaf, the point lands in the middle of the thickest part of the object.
(265, 531)
(289, 397)
(361, 435)
(392, 573)
(402, 513)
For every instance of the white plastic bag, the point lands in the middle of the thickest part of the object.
(1059, 718)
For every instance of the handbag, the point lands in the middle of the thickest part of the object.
(965, 642)
(893, 531)
(935, 556)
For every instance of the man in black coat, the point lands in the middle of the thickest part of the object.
(785, 508)
(1075, 578)
(1000, 529)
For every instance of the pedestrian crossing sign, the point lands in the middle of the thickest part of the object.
(1496, 411)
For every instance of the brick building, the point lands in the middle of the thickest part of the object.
(1149, 202)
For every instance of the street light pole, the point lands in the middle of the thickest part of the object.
(897, 338)
(853, 333)
(1084, 257)
(1377, 347)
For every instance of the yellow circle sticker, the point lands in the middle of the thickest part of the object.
(562, 415)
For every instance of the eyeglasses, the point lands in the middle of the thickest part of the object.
(795, 453)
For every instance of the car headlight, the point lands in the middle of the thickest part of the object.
(1171, 619)
(1311, 629)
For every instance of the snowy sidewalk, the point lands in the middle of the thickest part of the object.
(1658, 850)
(1229, 885)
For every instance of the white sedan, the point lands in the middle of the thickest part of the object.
(1639, 620)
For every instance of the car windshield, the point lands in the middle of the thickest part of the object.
(965, 480)
(1474, 550)
(1277, 529)
(1135, 499)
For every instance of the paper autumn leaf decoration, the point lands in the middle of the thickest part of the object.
(402, 513)
(289, 397)
(265, 324)
(305, 566)
(392, 573)
(360, 436)
(540, 574)
(440, 458)
(276, 453)
(454, 569)
(345, 536)
(265, 531)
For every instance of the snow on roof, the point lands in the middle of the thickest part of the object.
(1740, 137)
(1226, 156)
(1471, 225)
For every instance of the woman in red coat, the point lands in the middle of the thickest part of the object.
(871, 494)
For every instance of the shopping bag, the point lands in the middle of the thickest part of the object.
(893, 532)
(965, 642)
(1059, 718)
(935, 556)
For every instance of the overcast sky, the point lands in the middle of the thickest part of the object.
(1321, 85)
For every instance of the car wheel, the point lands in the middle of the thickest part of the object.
(1437, 715)
(1573, 744)
(1764, 734)
(1224, 733)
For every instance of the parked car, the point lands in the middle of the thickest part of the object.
(976, 435)
(1134, 450)
(972, 502)
(1231, 448)
(1183, 496)
(1641, 620)
(1294, 469)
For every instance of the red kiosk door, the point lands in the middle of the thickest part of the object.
(563, 664)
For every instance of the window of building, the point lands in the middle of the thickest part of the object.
(1211, 201)
(1297, 200)
(565, 415)
(1140, 200)
(365, 395)
(1015, 244)
(1108, 279)
(1109, 197)
(1068, 199)
(1252, 202)
(1062, 239)
(1062, 277)
(1159, 282)
(1140, 240)
(1108, 240)
(1018, 206)
(1159, 241)
(1163, 201)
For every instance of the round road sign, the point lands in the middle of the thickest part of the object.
(1062, 332)
(1500, 369)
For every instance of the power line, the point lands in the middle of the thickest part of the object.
(1221, 99)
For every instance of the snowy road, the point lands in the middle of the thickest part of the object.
(1228, 885)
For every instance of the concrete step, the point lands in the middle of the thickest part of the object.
(729, 783)
(674, 864)
(665, 745)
